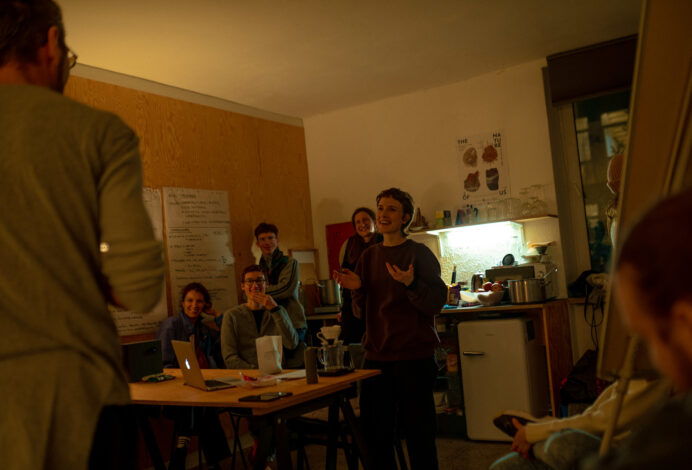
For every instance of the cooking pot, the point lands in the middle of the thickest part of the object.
(527, 291)
(330, 292)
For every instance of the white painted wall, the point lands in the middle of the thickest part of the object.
(409, 141)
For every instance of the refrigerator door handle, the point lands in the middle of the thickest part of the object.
(473, 353)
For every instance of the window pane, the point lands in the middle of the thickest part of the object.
(601, 127)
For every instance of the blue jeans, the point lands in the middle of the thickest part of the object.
(561, 451)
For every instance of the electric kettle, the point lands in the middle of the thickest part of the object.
(477, 281)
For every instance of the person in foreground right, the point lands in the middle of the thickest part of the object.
(657, 305)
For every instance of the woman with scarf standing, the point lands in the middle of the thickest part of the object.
(363, 220)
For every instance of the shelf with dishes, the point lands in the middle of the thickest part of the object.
(437, 230)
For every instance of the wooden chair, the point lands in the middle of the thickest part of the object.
(237, 445)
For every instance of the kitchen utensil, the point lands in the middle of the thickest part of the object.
(526, 291)
(549, 274)
(330, 292)
(477, 281)
(508, 260)
(332, 356)
(329, 334)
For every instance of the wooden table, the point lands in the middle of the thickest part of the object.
(270, 417)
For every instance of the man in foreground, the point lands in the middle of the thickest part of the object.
(74, 235)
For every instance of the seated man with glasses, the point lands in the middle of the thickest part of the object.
(259, 316)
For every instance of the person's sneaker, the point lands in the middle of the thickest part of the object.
(253, 455)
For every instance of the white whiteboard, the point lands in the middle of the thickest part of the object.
(131, 323)
(198, 239)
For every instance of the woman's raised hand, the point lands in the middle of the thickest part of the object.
(404, 277)
(212, 311)
(347, 279)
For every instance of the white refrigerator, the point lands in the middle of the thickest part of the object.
(503, 367)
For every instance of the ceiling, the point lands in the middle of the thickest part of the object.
(305, 57)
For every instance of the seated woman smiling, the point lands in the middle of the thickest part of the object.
(194, 301)
(204, 422)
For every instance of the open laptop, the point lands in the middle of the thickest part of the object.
(187, 359)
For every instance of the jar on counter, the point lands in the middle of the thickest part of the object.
(453, 294)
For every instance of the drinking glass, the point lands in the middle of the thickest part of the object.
(332, 356)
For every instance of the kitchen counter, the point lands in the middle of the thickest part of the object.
(551, 318)
(496, 308)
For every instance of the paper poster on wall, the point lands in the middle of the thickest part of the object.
(131, 323)
(483, 168)
(198, 233)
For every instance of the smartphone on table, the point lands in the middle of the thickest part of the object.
(267, 396)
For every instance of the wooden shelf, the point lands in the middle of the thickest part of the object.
(321, 316)
(437, 231)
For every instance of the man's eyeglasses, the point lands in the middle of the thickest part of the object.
(255, 281)
(71, 58)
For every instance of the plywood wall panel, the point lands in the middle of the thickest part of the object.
(262, 164)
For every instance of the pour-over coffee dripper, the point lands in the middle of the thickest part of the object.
(329, 334)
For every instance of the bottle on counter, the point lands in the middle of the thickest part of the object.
(454, 275)
(460, 217)
(453, 295)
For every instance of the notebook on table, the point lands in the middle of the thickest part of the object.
(192, 374)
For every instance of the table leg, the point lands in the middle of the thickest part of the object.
(358, 440)
(150, 440)
(332, 435)
(283, 445)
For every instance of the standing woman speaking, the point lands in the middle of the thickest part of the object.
(397, 289)
(363, 220)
